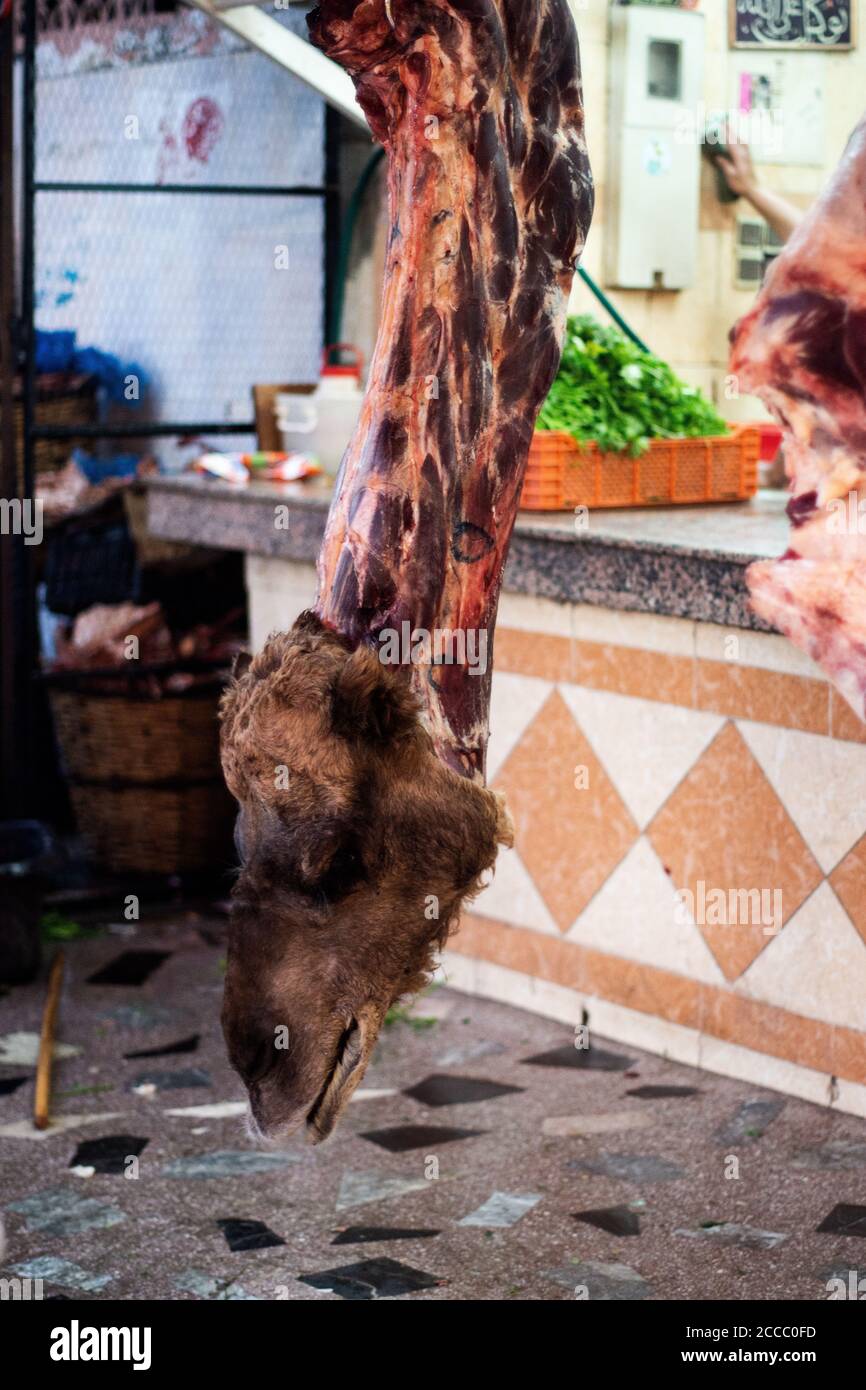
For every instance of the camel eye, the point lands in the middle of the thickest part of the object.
(345, 870)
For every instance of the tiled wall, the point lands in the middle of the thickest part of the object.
(641, 755)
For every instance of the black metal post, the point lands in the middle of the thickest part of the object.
(28, 238)
(10, 544)
(333, 214)
(19, 791)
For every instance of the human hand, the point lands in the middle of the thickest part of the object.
(737, 167)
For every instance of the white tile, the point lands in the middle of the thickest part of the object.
(646, 747)
(217, 1110)
(514, 703)
(486, 980)
(511, 896)
(633, 915)
(527, 613)
(269, 572)
(766, 650)
(590, 622)
(22, 1050)
(502, 1209)
(774, 1074)
(649, 631)
(277, 591)
(816, 966)
(821, 782)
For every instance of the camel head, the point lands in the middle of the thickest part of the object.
(357, 847)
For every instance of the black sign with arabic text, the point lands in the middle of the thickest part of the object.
(792, 23)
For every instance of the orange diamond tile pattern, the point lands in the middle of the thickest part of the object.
(726, 826)
(570, 838)
(848, 881)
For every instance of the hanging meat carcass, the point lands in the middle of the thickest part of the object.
(364, 821)
(802, 349)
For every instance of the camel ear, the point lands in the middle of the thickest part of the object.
(369, 701)
(241, 664)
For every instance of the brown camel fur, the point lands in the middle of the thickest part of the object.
(358, 848)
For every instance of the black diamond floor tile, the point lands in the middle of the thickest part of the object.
(108, 1154)
(619, 1221)
(242, 1234)
(369, 1279)
(371, 1235)
(129, 968)
(844, 1220)
(404, 1138)
(458, 1090)
(8, 1084)
(582, 1058)
(189, 1044)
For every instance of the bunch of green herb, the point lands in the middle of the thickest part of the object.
(610, 391)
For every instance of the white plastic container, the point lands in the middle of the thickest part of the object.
(296, 420)
(322, 424)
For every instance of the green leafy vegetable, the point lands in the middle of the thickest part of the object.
(609, 391)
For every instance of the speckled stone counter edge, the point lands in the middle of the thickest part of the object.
(644, 576)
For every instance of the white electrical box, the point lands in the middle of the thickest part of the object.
(654, 139)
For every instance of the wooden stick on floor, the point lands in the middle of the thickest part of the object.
(42, 1103)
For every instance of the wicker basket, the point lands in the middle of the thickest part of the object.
(144, 776)
(562, 474)
(61, 399)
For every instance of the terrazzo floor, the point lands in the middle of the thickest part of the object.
(485, 1157)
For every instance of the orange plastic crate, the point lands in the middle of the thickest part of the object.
(562, 474)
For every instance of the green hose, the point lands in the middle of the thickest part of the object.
(347, 234)
(614, 313)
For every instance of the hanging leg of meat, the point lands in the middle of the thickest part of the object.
(802, 349)
(355, 743)
(479, 106)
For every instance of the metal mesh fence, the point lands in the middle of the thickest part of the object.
(225, 117)
(194, 291)
(206, 292)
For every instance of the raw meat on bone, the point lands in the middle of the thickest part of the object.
(479, 105)
(802, 350)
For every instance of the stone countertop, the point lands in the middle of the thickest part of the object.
(687, 562)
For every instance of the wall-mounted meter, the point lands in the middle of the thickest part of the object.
(654, 134)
